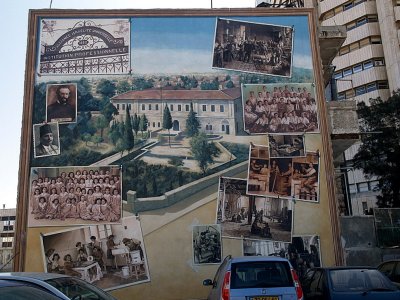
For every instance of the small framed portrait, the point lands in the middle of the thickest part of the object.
(46, 140)
(61, 103)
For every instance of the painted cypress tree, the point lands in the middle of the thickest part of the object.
(129, 139)
(143, 123)
(135, 123)
(192, 123)
(167, 122)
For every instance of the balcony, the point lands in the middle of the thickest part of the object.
(330, 39)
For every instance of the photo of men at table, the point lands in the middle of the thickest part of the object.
(105, 255)
(75, 195)
(286, 145)
(277, 108)
(254, 217)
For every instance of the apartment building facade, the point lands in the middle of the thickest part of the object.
(7, 227)
(367, 66)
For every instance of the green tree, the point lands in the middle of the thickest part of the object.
(379, 153)
(123, 86)
(108, 111)
(86, 137)
(135, 123)
(192, 123)
(97, 140)
(167, 122)
(203, 151)
(106, 88)
(229, 84)
(143, 124)
(101, 123)
(128, 137)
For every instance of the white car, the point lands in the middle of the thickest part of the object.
(47, 286)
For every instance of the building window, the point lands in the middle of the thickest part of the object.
(123, 106)
(149, 106)
(379, 62)
(212, 107)
(368, 64)
(371, 87)
(347, 72)
(357, 68)
(171, 107)
(143, 107)
(221, 108)
(337, 75)
(158, 124)
(223, 127)
(204, 107)
(187, 107)
(208, 127)
(117, 106)
(129, 105)
(341, 96)
(154, 124)
(383, 85)
(8, 228)
(156, 106)
(360, 90)
(6, 244)
(179, 107)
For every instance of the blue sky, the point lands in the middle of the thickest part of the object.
(173, 45)
(14, 28)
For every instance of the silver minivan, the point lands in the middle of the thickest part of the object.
(255, 278)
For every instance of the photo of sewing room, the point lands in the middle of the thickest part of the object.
(252, 217)
(305, 178)
(108, 256)
(286, 145)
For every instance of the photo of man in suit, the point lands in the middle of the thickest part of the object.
(61, 103)
(47, 145)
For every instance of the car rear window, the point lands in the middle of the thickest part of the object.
(260, 274)
(358, 280)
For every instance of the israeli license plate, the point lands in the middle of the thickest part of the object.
(265, 298)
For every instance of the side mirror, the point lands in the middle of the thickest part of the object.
(207, 282)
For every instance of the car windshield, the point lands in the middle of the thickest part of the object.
(78, 289)
(359, 280)
(260, 274)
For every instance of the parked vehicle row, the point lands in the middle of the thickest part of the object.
(273, 278)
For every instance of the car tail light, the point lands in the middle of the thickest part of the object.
(226, 286)
(297, 285)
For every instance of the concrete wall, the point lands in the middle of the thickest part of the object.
(360, 244)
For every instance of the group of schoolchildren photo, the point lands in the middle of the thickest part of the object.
(83, 194)
(283, 109)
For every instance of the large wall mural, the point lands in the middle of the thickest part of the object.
(137, 121)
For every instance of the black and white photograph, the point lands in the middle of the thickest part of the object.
(65, 196)
(279, 108)
(108, 256)
(259, 171)
(265, 248)
(305, 178)
(286, 145)
(249, 216)
(207, 244)
(253, 47)
(46, 140)
(305, 253)
(61, 100)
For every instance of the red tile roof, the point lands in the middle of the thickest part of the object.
(157, 94)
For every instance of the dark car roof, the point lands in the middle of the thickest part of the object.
(257, 258)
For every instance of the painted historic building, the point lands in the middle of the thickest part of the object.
(219, 111)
